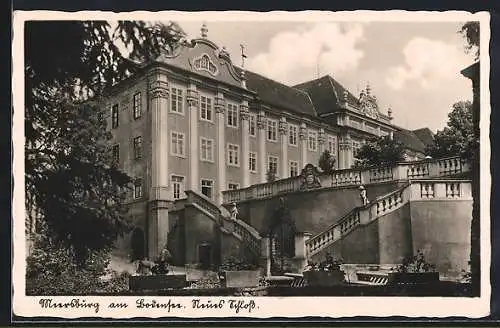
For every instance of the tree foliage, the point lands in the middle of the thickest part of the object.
(457, 138)
(70, 177)
(380, 151)
(327, 162)
(470, 32)
(271, 175)
(51, 270)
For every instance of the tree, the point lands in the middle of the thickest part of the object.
(470, 32)
(380, 151)
(457, 138)
(271, 175)
(70, 177)
(327, 162)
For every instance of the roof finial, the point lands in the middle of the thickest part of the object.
(368, 88)
(204, 30)
(243, 56)
(389, 112)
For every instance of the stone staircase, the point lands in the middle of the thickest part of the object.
(227, 224)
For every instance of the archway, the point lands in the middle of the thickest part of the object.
(138, 244)
(281, 234)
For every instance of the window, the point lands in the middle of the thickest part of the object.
(294, 168)
(233, 154)
(114, 116)
(207, 188)
(178, 186)
(177, 144)
(207, 150)
(272, 130)
(137, 147)
(176, 101)
(292, 134)
(252, 125)
(233, 186)
(116, 154)
(272, 164)
(252, 162)
(138, 188)
(206, 113)
(232, 115)
(332, 145)
(137, 106)
(313, 140)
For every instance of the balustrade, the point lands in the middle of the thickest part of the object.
(402, 171)
(381, 174)
(448, 166)
(418, 170)
(348, 177)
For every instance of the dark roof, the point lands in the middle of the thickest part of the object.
(409, 139)
(278, 94)
(326, 93)
(425, 135)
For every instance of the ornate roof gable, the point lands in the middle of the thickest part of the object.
(203, 57)
(368, 105)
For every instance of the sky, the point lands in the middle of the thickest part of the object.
(412, 67)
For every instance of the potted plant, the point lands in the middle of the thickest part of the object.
(325, 273)
(236, 273)
(414, 270)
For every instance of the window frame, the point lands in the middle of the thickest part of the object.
(274, 127)
(237, 157)
(137, 106)
(249, 161)
(208, 101)
(138, 147)
(235, 118)
(138, 185)
(176, 92)
(290, 167)
(252, 118)
(295, 136)
(277, 163)
(183, 154)
(182, 184)
(315, 139)
(211, 160)
(211, 187)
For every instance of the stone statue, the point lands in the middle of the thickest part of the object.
(310, 178)
(234, 211)
(362, 195)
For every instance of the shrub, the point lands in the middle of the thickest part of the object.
(51, 270)
(415, 264)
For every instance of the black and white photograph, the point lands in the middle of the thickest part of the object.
(222, 164)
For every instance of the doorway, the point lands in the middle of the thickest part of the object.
(205, 256)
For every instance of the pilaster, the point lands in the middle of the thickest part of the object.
(159, 195)
(245, 143)
(192, 100)
(261, 126)
(220, 109)
(283, 129)
(303, 145)
(321, 140)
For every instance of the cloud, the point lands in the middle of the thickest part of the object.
(293, 54)
(431, 63)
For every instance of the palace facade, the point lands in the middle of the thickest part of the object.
(191, 120)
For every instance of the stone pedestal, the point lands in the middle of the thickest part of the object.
(300, 259)
(158, 227)
(265, 258)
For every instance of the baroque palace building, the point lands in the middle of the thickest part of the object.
(191, 120)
